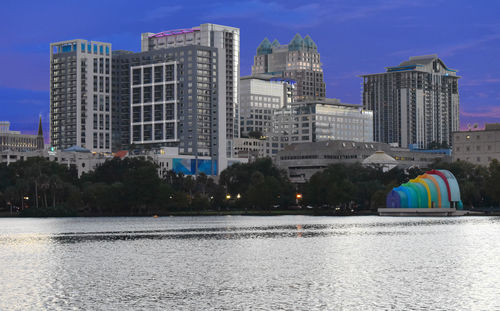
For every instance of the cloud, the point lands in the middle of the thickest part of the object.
(478, 82)
(454, 49)
(350, 12)
(483, 112)
(271, 12)
(447, 49)
(305, 16)
(162, 12)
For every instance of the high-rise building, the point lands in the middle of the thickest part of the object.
(299, 60)
(260, 97)
(415, 103)
(319, 120)
(80, 95)
(227, 40)
(169, 98)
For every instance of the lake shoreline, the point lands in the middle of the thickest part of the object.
(301, 212)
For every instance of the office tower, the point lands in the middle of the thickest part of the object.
(260, 97)
(227, 41)
(319, 120)
(415, 103)
(171, 97)
(299, 60)
(80, 95)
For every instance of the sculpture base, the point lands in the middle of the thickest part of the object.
(420, 212)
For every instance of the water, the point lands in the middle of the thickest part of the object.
(250, 263)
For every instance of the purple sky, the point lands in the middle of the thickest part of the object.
(353, 37)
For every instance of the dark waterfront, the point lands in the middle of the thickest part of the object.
(243, 263)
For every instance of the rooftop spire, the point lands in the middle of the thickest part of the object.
(264, 47)
(297, 43)
(40, 130)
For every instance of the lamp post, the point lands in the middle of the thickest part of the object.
(298, 197)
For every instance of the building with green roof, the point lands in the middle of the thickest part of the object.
(298, 60)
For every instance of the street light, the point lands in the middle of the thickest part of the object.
(228, 196)
(238, 196)
(298, 197)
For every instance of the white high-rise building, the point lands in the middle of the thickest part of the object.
(260, 97)
(415, 103)
(80, 95)
(227, 40)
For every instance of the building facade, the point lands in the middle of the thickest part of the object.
(15, 141)
(260, 97)
(80, 95)
(299, 61)
(415, 103)
(227, 42)
(477, 147)
(250, 148)
(319, 120)
(83, 162)
(171, 97)
(301, 161)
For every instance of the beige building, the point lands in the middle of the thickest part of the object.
(250, 148)
(478, 147)
(15, 141)
(81, 159)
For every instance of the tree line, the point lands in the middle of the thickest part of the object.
(132, 186)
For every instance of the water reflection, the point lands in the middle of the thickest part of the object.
(269, 263)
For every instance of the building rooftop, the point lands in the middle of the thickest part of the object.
(174, 32)
(380, 158)
(326, 101)
(418, 63)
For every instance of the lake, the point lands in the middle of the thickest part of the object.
(250, 263)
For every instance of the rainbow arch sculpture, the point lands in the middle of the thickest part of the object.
(434, 189)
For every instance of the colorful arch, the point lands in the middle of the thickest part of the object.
(434, 189)
(433, 180)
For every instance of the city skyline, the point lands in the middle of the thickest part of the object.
(352, 39)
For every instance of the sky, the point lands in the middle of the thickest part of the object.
(353, 38)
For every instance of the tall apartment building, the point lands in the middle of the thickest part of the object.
(227, 40)
(319, 120)
(260, 97)
(80, 95)
(170, 98)
(299, 60)
(415, 103)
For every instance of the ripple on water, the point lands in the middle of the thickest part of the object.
(258, 263)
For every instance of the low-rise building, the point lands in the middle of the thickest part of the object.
(250, 148)
(303, 160)
(15, 141)
(81, 159)
(478, 147)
